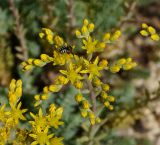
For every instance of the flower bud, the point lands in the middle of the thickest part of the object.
(91, 27)
(85, 104)
(114, 69)
(78, 33)
(78, 97)
(84, 113)
(155, 37)
(37, 97)
(105, 87)
(144, 33)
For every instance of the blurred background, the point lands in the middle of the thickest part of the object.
(136, 118)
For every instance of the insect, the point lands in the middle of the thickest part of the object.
(65, 49)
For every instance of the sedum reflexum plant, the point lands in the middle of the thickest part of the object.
(10, 117)
(81, 71)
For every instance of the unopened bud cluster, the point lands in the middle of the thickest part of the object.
(149, 31)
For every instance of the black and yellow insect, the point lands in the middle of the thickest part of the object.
(65, 49)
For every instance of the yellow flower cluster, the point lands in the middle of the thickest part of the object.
(150, 31)
(42, 123)
(81, 71)
(30, 63)
(10, 117)
(93, 45)
(125, 64)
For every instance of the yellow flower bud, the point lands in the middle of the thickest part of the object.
(107, 104)
(101, 46)
(155, 37)
(37, 97)
(30, 61)
(44, 57)
(61, 80)
(84, 113)
(85, 22)
(19, 83)
(38, 62)
(41, 35)
(92, 121)
(23, 64)
(127, 66)
(111, 98)
(18, 92)
(91, 114)
(116, 35)
(121, 61)
(50, 39)
(84, 30)
(106, 36)
(78, 33)
(47, 31)
(105, 87)
(129, 60)
(91, 27)
(151, 30)
(104, 95)
(59, 112)
(79, 97)
(78, 84)
(96, 81)
(144, 33)
(54, 88)
(98, 120)
(134, 64)
(110, 107)
(103, 63)
(28, 67)
(114, 69)
(12, 85)
(44, 97)
(144, 25)
(85, 104)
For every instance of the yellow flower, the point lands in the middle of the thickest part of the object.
(54, 117)
(61, 59)
(15, 115)
(92, 68)
(39, 120)
(41, 137)
(72, 74)
(90, 45)
(56, 141)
